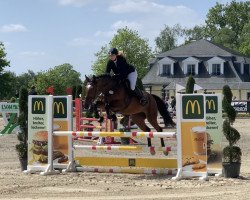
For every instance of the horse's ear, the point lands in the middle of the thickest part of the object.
(87, 78)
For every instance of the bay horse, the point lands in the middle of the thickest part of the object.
(119, 99)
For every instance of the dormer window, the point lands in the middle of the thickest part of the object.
(216, 66)
(191, 69)
(190, 66)
(216, 69)
(166, 67)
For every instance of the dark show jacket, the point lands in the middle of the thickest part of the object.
(121, 67)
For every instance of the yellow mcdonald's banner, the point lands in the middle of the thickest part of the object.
(62, 121)
(214, 132)
(192, 135)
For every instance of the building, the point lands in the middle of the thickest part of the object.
(211, 65)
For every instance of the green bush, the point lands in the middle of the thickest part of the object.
(22, 147)
(231, 153)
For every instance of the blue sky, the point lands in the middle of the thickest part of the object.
(41, 34)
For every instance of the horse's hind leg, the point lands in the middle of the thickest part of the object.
(139, 120)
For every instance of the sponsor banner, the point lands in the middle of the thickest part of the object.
(9, 107)
(61, 122)
(193, 135)
(241, 106)
(38, 129)
(214, 132)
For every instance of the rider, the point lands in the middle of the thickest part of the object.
(118, 64)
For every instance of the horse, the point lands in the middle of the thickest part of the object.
(119, 99)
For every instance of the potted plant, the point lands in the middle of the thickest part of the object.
(231, 160)
(22, 136)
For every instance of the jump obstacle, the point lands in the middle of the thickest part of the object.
(107, 125)
(128, 165)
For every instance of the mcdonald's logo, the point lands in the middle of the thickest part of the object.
(192, 106)
(57, 107)
(38, 105)
(60, 107)
(211, 104)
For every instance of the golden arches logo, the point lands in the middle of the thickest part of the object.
(211, 103)
(192, 105)
(38, 105)
(59, 105)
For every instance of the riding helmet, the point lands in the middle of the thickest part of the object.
(113, 51)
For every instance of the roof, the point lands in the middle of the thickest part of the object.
(200, 48)
(203, 51)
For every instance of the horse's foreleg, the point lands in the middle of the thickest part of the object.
(107, 109)
(139, 120)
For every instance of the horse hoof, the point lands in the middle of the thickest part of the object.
(165, 153)
(152, 152)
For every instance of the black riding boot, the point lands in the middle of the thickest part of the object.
(140, 96)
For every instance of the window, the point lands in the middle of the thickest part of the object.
(166, 69)
(248, 96)
(216, 66)
(191, 69)
(216, 69)
(246, 68)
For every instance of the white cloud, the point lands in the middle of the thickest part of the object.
(13, 28)
(130, 6)
(150, 12)
(151, 16)
(105, 33)
(77, 3)
(32, 53)
(80, 41)
(121, 24)
(117, 25)
(142, 6)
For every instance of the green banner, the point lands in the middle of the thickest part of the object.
(192, 107)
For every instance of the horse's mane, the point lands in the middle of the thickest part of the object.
(103, 76)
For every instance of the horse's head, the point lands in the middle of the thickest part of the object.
(97, 85)
(91, 91)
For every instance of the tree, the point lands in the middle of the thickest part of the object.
(61, 77)
(99, 65)
(3, 62)
(245, 40)
(7, 86)
(168, 38)
(5, 78)
(135, 49)
(226, 37)
(222, 18)
(195, 33)
(26, 79)
(190, 85)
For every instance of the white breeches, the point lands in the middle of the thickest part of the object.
(132, 77)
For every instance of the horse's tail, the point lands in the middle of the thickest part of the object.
(163, 111)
